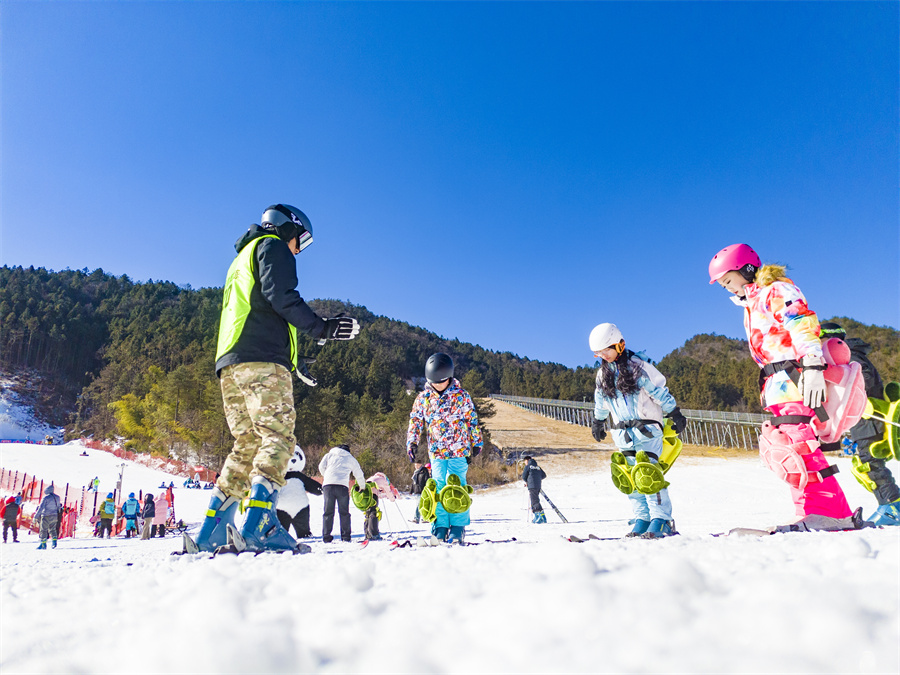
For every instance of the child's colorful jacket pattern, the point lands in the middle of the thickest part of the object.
(450, 421)
(780, 326)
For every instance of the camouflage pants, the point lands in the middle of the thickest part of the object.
(259, 406)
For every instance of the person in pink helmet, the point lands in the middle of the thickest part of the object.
(783, 333)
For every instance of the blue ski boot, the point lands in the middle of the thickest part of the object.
(886, 514)
(43, 545)
(213, 533)
(262, 531)
(456, 535)
(640, 526)
(658, 528)
(539, 517)
(438, 534)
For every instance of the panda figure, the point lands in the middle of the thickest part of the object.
(292, 507)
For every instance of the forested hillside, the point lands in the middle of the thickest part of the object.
(135, 360)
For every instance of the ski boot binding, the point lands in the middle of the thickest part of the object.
(659, 528)
(640, 526)
(213, 531)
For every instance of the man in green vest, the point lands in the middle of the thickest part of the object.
(257, 351)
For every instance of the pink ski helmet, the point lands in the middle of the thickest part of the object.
(737, 257)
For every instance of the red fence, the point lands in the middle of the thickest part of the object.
(166, 464)
(80, 505)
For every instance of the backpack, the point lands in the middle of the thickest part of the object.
(109, 508)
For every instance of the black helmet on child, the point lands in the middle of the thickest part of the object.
(830, 329)
(438, 367)
(288, 222)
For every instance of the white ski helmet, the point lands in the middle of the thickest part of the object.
(605, 335)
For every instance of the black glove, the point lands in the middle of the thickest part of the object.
(469, 459)
(598, 430)
(679, 422)
(411, 452)
(340, 328)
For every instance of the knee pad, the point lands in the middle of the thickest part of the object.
(784, 457)
(860, 471)
(645, 476)
(428, 501)
(454, 496)
(621, 473)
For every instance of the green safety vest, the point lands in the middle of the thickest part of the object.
(236, 302)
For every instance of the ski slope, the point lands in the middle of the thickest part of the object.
(788, 603)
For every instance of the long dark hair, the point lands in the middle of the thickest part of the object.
(623, 377)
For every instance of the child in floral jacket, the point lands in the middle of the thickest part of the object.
(446, 412)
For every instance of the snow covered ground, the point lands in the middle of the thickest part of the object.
(17, 421)
(789, 603)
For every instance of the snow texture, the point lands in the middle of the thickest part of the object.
(694, 603)
(17, 420)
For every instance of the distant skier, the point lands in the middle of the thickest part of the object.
(148, 512)
(446, 412)
(255, 356)
(161, 515)
(783, 333)
(131, 509)
(10, 515)
(336, 467)
(865, 432)
(631, 398)
(107, 513)
(47, 516)
(533, 475)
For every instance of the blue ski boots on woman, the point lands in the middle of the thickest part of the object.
(262, 531)
(659, 528)
(886, 514)
(539, 517)
(213, 532)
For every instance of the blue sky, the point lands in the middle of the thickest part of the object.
(510, 174)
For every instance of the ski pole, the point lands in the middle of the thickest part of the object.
(869, 413)
(553, 506)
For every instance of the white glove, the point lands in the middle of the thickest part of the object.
(812, 381)
(303, 371)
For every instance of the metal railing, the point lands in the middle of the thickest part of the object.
(718, 428)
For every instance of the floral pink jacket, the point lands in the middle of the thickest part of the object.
(450, 421)
(780, 327)
(779, 324)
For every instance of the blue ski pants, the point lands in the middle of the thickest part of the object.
(649, 507)
(440, 469)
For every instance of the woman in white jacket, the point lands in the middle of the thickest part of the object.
(336, 468)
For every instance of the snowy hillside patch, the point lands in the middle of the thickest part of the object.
(788, 603)
(17, 418)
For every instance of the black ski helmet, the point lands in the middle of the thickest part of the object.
(438, 367)
(288, 222)
(832, 330)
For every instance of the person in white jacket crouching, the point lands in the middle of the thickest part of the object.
(336, 468)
